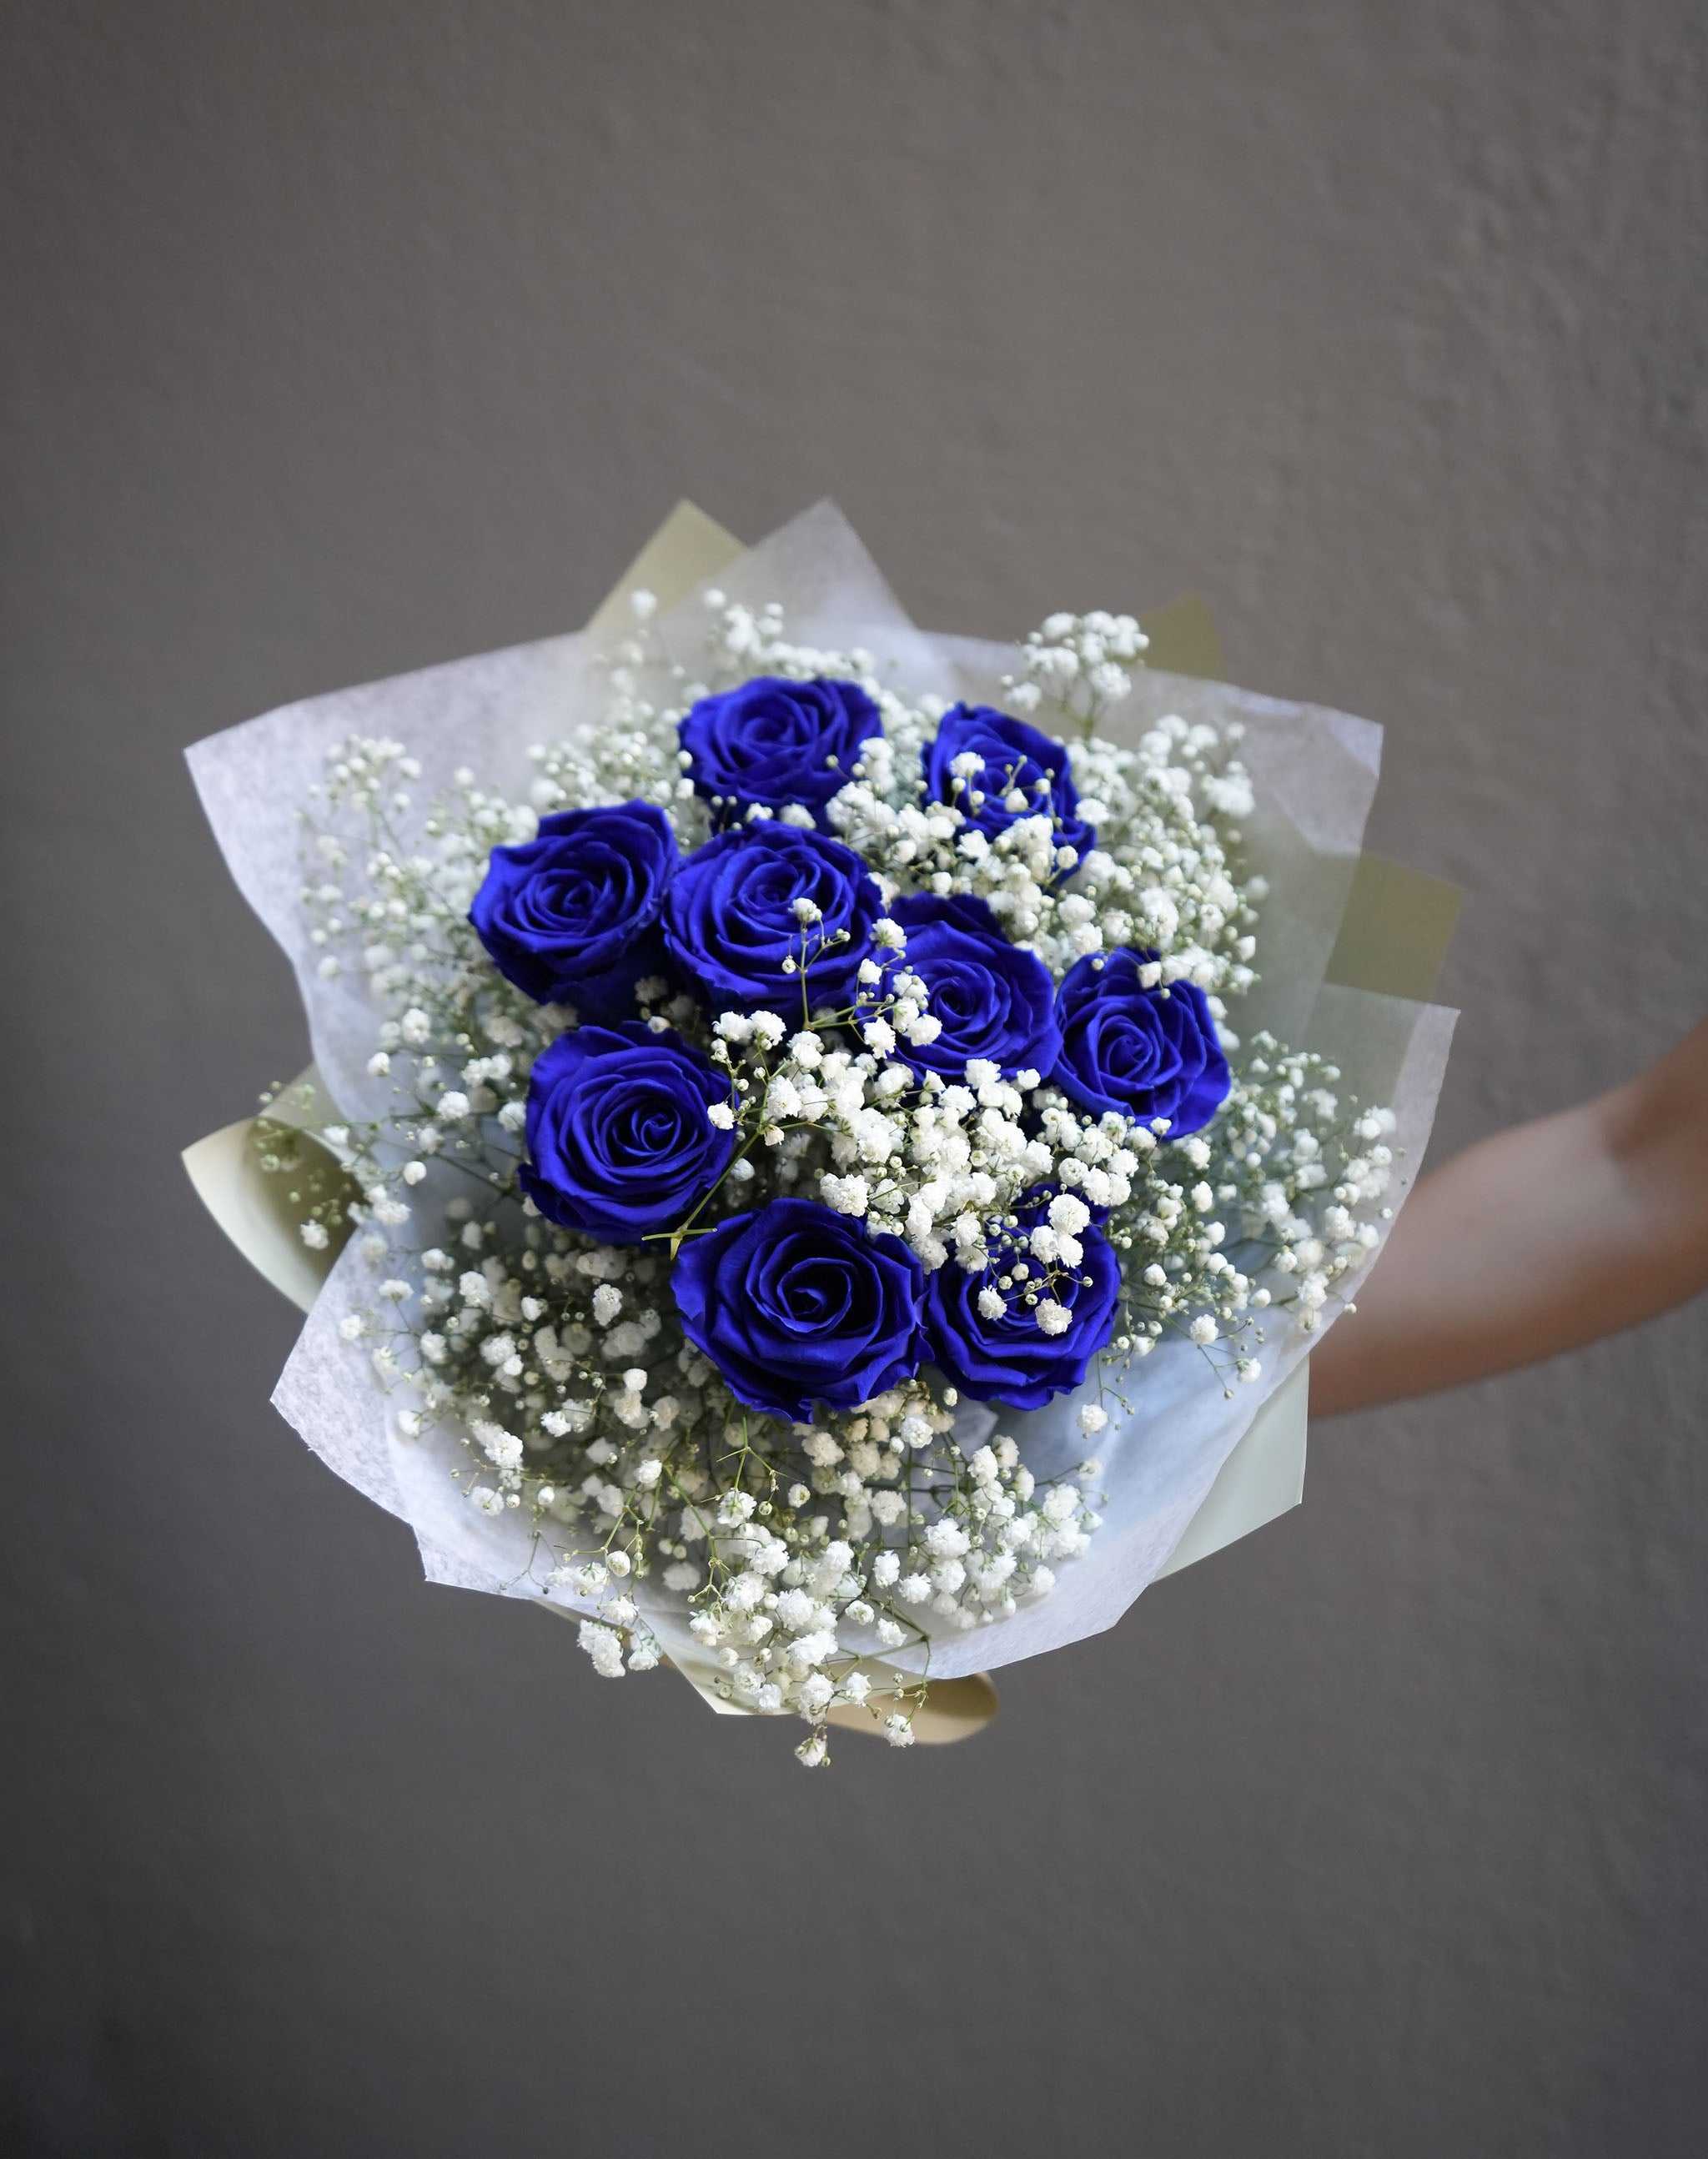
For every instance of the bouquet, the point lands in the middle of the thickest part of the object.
(827, 1145)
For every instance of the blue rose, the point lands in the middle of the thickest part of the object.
(1003, 1354)
(994, 999)
(775, 742)
(1145, 1053)
(795, 1304)
(618, 1139)
(572, 916)
(1013, 759)
(732, 919)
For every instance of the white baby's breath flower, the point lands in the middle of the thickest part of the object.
(605, 1646)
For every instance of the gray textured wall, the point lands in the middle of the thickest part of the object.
(345, 335)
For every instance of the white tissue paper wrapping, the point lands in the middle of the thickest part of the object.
(1314, 774)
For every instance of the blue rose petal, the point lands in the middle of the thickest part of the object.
(1010, 1359)
(1013, 756)
(571, 916)
(730, 920)
(619, 1142)
(1145, 1053)
(795, 1304)
(776, 744)
(994, 1000)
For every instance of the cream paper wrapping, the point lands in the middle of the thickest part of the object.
(1189, 1469)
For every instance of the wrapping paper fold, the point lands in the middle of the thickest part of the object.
(1350, 949)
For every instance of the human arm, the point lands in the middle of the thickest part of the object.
(1533, 1241)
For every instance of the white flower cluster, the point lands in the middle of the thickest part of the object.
(1161, 877)
(1083, 664)
(800, 1553)
(930, 1163)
